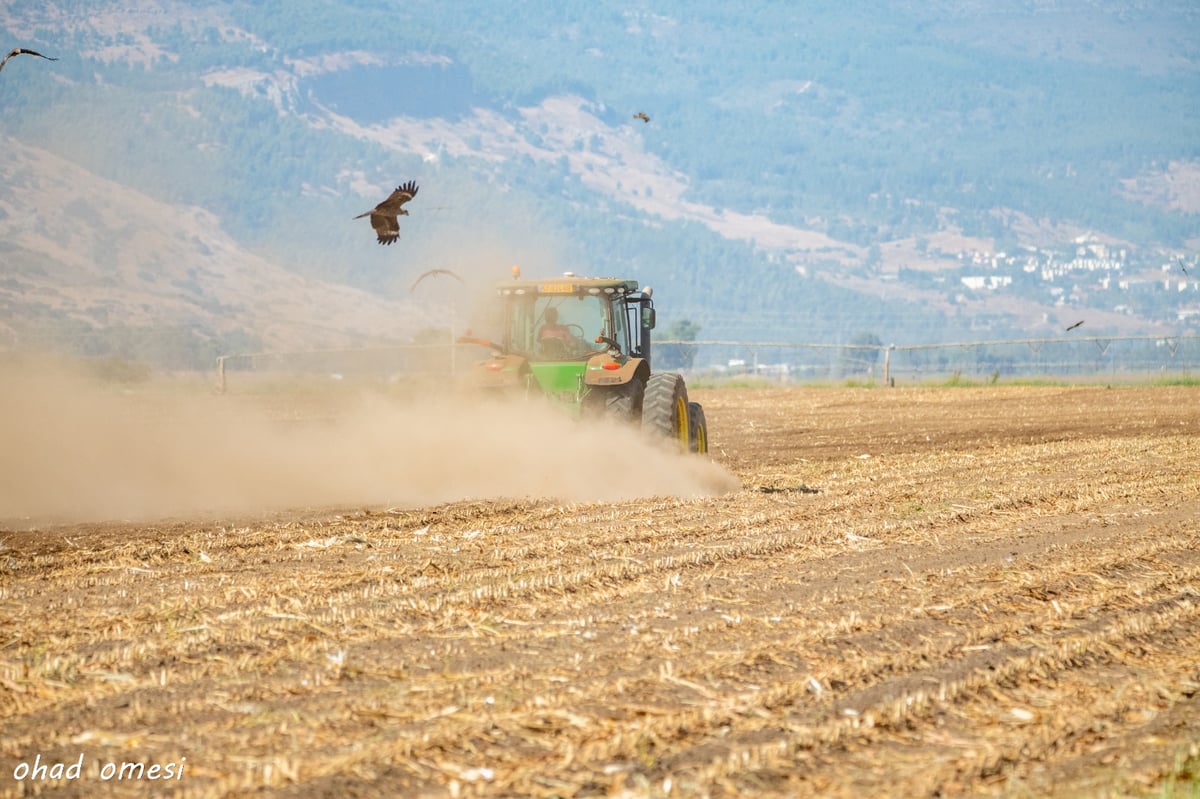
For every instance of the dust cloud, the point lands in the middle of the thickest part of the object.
(77, 450)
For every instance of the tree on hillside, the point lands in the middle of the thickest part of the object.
(861, 354)
(677, 356)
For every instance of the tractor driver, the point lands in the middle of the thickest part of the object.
(554, 340)
(552, 329)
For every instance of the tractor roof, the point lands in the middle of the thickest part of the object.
(568, 284)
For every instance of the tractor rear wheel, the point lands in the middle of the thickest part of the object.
(697, 428)
(622, 403)
(665, 411)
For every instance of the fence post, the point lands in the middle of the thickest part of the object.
(887, 366)
(220, 374)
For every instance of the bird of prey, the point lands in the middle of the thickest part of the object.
(436, 272)
(23, 51)
(383, 216)
(642, 116)
(1072, 327)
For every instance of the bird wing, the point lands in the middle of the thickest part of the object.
(23, 51)
(403, 193)
(387, 228)
(436, 272)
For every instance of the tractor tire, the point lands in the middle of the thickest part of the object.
(665, 410)
(697, 429)
(621, 403)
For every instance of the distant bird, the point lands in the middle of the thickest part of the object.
(23, 51)
(383, 216)
(436, 272)
(1077, 324)
(642, 116)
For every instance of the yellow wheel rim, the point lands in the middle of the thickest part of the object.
(681, 421)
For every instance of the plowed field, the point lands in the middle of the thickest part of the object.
(914, 592)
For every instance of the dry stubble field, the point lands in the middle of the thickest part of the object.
(915, 592)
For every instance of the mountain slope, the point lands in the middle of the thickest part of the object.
(797, 158)
(84, 252)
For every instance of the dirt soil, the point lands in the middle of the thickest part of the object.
(914, 592)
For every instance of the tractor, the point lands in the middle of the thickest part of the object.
(584, 342)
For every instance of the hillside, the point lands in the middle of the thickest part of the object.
(802, 170)
(83, 253)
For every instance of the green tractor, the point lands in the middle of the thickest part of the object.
(585, 343)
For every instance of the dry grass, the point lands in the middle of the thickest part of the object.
(964, 592)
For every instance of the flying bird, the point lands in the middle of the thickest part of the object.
(383, 216)
(1072, 327)
(642, 116)
(23, 51)
(436, 272)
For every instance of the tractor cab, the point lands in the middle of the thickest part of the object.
(574, 319)
(569, 337)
